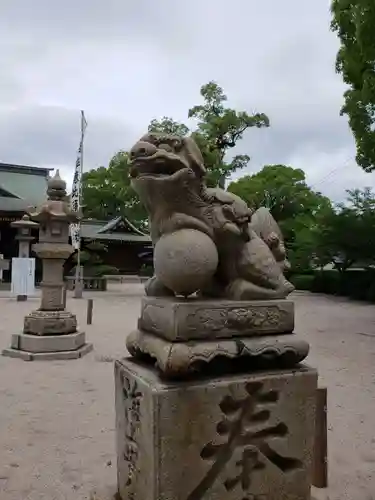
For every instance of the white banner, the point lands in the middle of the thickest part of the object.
(23, 276)
(76, 195)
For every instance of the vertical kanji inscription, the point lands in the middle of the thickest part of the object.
(132, 398)
(245, 427)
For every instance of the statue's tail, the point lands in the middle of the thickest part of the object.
(264, 224)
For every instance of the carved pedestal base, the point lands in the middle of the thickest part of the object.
(177, 359)
(179, 320)
(235, 437)
(50, 323)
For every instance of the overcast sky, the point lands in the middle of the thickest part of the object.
(127, 61)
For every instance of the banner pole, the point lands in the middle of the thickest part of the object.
(78, 280)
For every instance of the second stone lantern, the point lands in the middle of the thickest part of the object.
(24, 227)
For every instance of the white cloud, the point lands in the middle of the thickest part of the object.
(128, 62)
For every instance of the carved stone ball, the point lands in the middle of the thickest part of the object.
(185, 260)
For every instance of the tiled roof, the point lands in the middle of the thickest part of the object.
(123, 223)
(8, 204)
(94, 230)
(25, 169)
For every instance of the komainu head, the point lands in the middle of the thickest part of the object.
(160, 155)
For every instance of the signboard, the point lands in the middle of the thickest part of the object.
(23, 276)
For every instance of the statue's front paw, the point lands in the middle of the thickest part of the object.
(241, 289)
(272, 240)
(155, 288)
(240, 233)
(231, 228)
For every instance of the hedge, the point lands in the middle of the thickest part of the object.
(356, 284)
(146, 271)
(302, 281)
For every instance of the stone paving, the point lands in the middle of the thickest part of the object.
(57, 417)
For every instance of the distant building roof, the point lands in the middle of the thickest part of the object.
(25, 169)
(22, 186)
(9, 204)
(118, 229)
(120, 225)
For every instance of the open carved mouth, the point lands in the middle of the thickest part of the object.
(157, 165)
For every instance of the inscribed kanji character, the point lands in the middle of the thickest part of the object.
(132, 399)
(245, 428)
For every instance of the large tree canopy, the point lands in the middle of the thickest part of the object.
(354, 22)
(282, 189)
(293, 204)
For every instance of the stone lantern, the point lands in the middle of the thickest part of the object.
(51, 332)
(53, 248)
(24, 227)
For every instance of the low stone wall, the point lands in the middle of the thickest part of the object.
(94, 284)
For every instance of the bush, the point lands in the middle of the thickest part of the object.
(147, 271)
(302, 281)
(327, 282)
(102, 270)
(356, 284)
(371, 292)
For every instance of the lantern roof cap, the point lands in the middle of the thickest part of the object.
(24, 222)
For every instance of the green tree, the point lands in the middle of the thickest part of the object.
(283, 190)
(168, 126)
(347, 234)
(293, 204)
(107, 192)
(354, 21)
(218, 130)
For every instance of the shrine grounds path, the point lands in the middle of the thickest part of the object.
(57, 439)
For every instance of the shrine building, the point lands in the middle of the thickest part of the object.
(127, 248)
(21, 187)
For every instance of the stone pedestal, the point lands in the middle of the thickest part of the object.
(43, 322)
(185, 336)
(234, 437)
(191, 319)
(48, 347)
(215, 404)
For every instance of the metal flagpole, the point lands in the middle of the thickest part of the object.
(77, 206)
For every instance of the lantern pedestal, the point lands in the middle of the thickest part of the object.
(48, 347)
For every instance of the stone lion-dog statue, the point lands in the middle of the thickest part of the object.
(206, 240)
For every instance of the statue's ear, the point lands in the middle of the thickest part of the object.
(194, 156)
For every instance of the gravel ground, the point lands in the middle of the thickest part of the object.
(57, 417)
